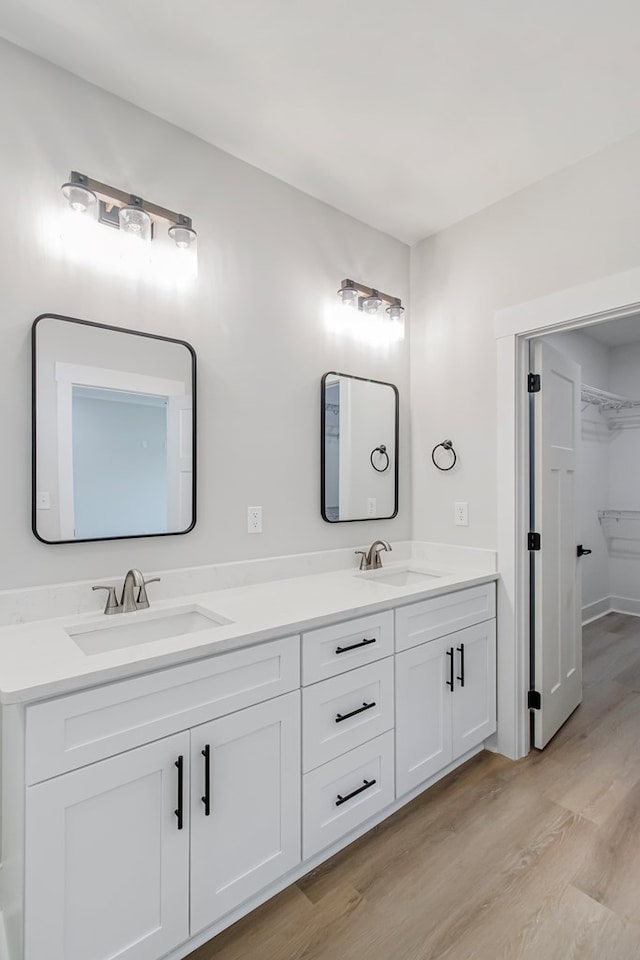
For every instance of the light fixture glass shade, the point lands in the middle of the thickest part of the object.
(395, 311)
(135, 222)
(182, 236)
(371, 304)
(80, 198)
(348, 294)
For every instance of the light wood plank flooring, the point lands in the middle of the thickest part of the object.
(499, 861)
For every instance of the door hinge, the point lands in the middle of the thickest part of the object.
(533, 383)
(534, 700)
(533, 541)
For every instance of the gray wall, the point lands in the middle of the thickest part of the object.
(270, 261)
(576, 226)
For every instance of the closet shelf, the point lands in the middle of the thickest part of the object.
(612, 407)
(618, 515)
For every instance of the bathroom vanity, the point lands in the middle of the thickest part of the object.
(156, 792)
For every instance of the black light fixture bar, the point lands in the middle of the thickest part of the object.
(365, 292)
(113, 196)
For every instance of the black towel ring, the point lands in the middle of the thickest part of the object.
(446, 445)
(382, 450)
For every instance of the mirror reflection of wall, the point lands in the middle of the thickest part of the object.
(359, 453)
(113, 432)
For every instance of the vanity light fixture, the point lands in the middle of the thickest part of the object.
(124, 211)
(78, 194)
(369, 300)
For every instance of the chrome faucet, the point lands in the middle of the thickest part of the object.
(370, 559)
(134, 594)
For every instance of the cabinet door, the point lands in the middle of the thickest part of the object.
(107, 868)
(474, 703)
(423, 713)
(251, 835)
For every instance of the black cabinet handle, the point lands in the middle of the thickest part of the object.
(179, 811)
(460, 650)
(345, 716)
(450, 680)
(354, 646)
(582, 551)
(206, 799)
(365, 786)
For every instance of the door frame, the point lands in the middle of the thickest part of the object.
(609, 298)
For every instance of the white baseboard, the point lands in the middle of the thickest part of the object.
(625, 605)
(593, 611)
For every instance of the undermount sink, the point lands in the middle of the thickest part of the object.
(403, 577)
(115, 635)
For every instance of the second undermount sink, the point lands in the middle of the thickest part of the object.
(403, 577)
(116, 634)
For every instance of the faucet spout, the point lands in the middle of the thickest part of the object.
(133, 584)
(372, 559)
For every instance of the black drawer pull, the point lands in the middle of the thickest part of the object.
(460, 650)
(345, 716)
(450, 681)
(206, 799)
(354, 646)
(365, 786)
(179, 811)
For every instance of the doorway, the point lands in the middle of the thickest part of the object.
(610, 298)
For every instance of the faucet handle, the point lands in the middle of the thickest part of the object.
(143, 601)
(363, 558)
(112, 604)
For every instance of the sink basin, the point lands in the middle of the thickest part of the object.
(115, 634)
(403, 577)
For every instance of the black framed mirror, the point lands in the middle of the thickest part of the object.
(114, 432)
(359, 448)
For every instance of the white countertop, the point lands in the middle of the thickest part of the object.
(40, 659)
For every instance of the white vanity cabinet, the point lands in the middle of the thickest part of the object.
(445, 685)
(347, 720)
(106, 866)
(245, 805)
(131, 855)
(158, 809)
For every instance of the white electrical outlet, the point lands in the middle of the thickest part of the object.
(461, 513)
(43, 501)
(371, 507)
(254, 519)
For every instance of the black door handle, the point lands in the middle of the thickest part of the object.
(450, 681)
(582, 551)
(354, 793)
(206, 799)
(460, 650)
(345, 716)
(354, 646)
(179, 811)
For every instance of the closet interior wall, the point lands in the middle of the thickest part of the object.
(609, 476)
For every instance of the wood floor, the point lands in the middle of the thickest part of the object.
(500, 861)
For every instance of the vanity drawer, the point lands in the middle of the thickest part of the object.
(327, 729)
(80, 728)
(343, 646)
(419, 622)
(344, 793)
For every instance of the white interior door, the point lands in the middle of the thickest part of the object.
(557, 634)
(179, 462)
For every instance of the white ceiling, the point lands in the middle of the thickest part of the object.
(616, 333)
(408, 114)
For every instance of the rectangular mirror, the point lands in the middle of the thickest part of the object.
(113, 432)
(359, 449)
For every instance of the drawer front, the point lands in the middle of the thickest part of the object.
(419, 622)
(343, 646)
(342, 794)
(71, 731)
(345, 711)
